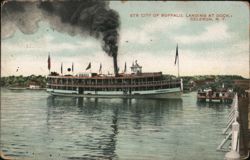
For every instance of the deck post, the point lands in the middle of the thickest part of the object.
(234, 153)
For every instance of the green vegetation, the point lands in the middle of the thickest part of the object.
(190, 82)
(169, 76)
(21, 81)
(212, 81)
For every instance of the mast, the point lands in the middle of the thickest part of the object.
(49, 63)
(177, 59)
(178, 66)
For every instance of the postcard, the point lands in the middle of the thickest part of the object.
(121, 79)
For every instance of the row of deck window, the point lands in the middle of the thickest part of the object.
(103, 82)
(116, 89)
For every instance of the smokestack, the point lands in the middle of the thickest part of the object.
(74, 17)
(115, 65)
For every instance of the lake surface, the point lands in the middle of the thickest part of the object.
(35, 125)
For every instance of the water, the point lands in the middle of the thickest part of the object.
(35, 125)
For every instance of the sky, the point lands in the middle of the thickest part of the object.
(149, 33)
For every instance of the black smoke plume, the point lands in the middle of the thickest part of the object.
(75, 17)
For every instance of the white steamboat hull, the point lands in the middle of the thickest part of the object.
(171, 93)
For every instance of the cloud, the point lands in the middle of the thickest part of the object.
(46, 44)
(231, 60)
(213, 33)
(241, 47)
(145, 32)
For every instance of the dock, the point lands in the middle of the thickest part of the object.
(212, 96)
(237, 131)
(243, 119)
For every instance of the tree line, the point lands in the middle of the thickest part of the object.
(217, 80)
(23, 81)
(211, 81)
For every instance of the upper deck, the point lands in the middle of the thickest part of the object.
(148, 75)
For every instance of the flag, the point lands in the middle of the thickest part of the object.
(125, 67)
(49, 65)
(176, 55)
(61, 68)
(89, 66)
(100, 69)
(72, 68)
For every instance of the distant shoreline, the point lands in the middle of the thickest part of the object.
(23, 81)
(190, 82)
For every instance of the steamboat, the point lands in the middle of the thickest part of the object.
(137, 84)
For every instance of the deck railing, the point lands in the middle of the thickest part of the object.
(233, 136)
(174, 83)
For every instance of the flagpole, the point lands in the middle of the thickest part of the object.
(177, 58)
(178, 66)
(49, 63)
(62, 68)
(90, 68)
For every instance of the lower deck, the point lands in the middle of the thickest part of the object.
(160, 93)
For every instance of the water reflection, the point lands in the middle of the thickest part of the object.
(217, 106)
(101, 120)
(40, 127)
